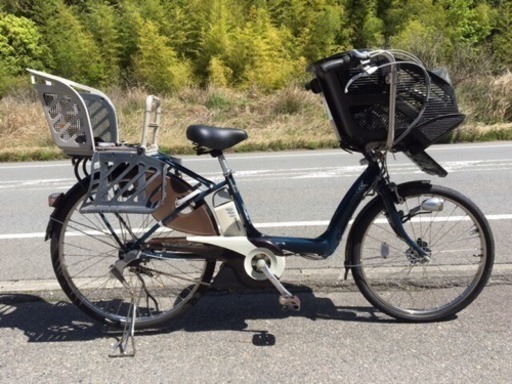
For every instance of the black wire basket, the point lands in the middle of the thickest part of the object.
(358, 99)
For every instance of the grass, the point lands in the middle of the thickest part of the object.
(287, 119)
(480, 132)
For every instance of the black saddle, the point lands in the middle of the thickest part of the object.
(215, 138)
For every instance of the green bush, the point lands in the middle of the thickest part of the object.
(156, 65)
(21, 47)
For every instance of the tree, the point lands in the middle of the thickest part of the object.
(156, 65)
(318, 27)
(260, 55)
(421, 29)
(239, 42)
(102, 22)
(469, 21)
(74, 50)
(185, 29)
(216, 44)
(21, 47)
(502, 36)
(358, 11)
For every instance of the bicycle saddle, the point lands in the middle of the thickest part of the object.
(214, 137)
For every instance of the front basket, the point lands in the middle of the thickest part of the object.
(359, 102)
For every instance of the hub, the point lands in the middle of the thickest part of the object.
(414, 258)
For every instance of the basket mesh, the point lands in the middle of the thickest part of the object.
(411, 98)
(359, 104)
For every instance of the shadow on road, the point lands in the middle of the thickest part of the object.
(42, 321)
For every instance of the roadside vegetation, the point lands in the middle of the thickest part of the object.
(240, 63)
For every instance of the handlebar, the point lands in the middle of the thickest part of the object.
(342, 61)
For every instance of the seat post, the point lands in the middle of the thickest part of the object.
(224, 165)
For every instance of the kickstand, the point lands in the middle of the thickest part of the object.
(121, 348)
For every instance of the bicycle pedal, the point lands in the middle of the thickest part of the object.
(290, 302)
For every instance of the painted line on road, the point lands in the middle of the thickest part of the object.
(287, 173)
(282, 224)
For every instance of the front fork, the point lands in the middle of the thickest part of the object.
(389, 194)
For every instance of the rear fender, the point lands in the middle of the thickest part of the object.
(56, 201)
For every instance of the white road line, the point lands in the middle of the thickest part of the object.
(283, 224)
(277, 155)
(289, 173)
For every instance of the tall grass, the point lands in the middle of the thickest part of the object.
(487, 99)
(289, 118)
(286, 119)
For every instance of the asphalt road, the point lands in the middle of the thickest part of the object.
(286, 193)
(246, 338)
(335, 338)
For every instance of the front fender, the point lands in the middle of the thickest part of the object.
(49, 228)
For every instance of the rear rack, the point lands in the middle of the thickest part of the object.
(123, 182)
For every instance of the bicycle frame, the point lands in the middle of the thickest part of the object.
(322, 246)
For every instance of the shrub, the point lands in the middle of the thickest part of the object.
(21, 47)
(218, 73)
(156, 65)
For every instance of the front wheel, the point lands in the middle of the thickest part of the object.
(459, 254)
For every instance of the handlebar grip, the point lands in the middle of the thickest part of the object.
(360, 55)
(313, 86)
(338, 62)
(341, 61)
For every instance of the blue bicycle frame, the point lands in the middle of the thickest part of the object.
(321, 246)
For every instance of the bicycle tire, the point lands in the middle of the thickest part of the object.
(457, 239)
(83, 251)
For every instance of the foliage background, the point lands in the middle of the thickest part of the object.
(166, 45)
(243, 61)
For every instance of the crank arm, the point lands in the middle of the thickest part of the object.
(287, 300)
(263, 267)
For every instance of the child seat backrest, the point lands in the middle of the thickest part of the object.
(79, 116)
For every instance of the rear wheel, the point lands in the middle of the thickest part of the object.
(84, 248)
(459, 249)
